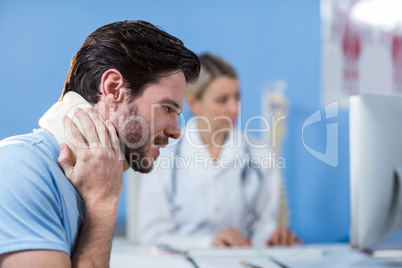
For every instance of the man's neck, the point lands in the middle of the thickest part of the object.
(52, 120)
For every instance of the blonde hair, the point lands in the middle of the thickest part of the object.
(212, 67)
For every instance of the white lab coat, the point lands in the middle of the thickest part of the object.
(211, 194)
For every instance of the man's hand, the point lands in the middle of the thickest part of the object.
(283, 237)
(230, 237)
(98, 173)
(98, 177)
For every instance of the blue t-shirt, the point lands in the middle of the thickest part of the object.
(39, 208)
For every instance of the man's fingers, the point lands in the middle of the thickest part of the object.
(66, 161)
(74, 134)
(101, 129)
(88, 126)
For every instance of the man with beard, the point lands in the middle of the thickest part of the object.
(61, 184)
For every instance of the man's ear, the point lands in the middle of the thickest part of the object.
(112, 87)
(193, 104)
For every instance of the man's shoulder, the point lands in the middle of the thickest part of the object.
(38, 145)
(46, 209)
(36, 137)
(29, 160)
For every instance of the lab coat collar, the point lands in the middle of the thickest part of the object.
(193, 144)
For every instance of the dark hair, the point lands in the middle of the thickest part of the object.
(141, 52)
(212, 67)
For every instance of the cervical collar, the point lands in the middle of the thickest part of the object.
(52, 120)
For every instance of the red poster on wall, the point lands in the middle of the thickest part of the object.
(362, 48)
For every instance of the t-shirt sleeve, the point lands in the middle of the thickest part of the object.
(30, 205)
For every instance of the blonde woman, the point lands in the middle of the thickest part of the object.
(212, 188)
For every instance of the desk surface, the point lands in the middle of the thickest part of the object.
(335, 256)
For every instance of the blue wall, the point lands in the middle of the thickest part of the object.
(264, 40)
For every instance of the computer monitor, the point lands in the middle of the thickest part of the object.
(375, 124)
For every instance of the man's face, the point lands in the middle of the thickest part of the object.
(149, 120)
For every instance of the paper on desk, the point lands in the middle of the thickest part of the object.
(232, 262)
(123, 260)
(276, 252)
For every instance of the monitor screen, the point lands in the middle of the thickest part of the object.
(375, 125)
